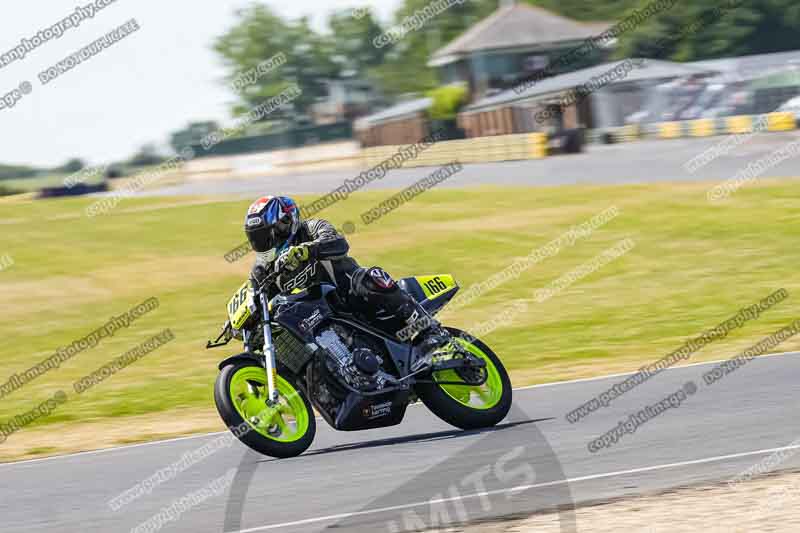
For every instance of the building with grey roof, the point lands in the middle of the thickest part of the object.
(596, 97)
(512, 44)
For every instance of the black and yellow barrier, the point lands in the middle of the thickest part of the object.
(706, 127)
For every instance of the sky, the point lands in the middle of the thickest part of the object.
(138, 91)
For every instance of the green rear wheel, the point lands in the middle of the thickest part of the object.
(468, 405)
(283, 429)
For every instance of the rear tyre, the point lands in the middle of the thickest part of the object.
(469, 406)
(286, 429)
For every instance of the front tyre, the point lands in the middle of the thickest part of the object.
(469, 406)
(286, 429)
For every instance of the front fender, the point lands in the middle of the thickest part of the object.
(244, 356)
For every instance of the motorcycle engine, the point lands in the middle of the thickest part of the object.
(352, 360)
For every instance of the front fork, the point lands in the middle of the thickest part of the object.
(269, 352)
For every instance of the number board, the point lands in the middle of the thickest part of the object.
(435, 286)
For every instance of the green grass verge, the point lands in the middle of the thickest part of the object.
(694, 265)
(34, 184)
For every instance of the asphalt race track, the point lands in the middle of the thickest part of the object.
(384, 480)
(634, 162)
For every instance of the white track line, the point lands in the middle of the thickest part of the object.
(582, 380)
(202, 435)
(520, 488)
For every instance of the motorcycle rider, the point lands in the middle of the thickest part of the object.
(310, 251)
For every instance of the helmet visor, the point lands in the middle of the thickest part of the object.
(265, 237)
(261, 239)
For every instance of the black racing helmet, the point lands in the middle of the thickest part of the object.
(271, 224)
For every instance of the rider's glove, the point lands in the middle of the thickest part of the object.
(258, 275)
(294, 256)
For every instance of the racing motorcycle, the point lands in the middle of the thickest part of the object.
(304, 350)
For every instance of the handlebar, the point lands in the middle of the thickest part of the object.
(260, 281)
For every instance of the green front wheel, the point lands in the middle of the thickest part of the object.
(283, 429)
